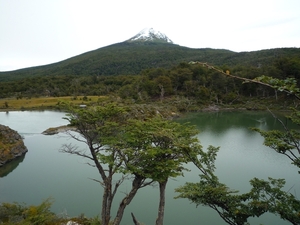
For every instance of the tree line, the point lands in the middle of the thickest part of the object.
(190, 81)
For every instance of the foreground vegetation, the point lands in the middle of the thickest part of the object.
(22, 214)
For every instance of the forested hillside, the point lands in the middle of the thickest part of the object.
(130, 58)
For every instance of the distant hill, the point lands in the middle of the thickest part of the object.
(139, 53)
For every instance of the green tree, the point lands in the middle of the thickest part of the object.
(164, 84)
(156, 148)
(235, 208)
(230, 206)
(131, 141)
(179, 76)
(285, 142)
(100, 129)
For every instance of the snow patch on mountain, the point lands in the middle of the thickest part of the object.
(149, 34)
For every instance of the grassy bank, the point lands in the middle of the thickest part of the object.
(40, 103)
(171, 104)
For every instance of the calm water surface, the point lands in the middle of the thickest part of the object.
(45, 172)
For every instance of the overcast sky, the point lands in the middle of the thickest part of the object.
(38, 32)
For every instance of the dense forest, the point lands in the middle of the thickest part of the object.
(186, 80)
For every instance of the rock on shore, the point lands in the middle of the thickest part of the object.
(11, 145)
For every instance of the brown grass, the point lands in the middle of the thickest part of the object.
(11, 104)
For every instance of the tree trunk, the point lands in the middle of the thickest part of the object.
(136, 184)
(104, 208)
(162, 200)
(107, 181)
(106, 205)
(162, 91)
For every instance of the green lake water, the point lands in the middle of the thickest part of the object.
(45, 172)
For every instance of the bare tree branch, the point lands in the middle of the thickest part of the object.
(118, 183)
(71, 149)
(98, 181)
(295, 142)
(135, 221)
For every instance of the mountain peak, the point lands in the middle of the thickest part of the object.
(149, 34)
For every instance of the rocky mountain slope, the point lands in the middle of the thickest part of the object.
(149, 34)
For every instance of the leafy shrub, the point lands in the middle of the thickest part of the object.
(21, 214)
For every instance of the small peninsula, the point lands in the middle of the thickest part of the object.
(56, 130)
(11, 145)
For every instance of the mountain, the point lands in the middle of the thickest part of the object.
(147, 49)
(149, 34)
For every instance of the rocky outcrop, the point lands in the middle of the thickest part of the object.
(11, 145)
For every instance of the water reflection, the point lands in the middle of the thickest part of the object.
(10, 166)
(220, 122)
